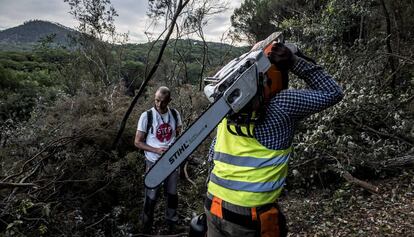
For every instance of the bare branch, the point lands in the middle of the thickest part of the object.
(4, 185)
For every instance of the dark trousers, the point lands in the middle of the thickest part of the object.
(151, 196)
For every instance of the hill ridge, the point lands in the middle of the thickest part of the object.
(32, 31)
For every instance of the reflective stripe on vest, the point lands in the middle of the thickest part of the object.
(250, 161)
(248, 186)
(245, 172)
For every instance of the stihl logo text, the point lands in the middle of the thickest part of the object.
(174, 157)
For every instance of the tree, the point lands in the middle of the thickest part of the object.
(132, 73)
(179, 8)
(253, 20)
(198, 17)
(98, 39)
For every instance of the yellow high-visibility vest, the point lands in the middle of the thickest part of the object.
(245, 172)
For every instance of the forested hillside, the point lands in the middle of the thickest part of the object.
(64, 173)
(25, 36)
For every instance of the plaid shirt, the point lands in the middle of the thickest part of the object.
(290, 106)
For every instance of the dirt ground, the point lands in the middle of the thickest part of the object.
(352, 211)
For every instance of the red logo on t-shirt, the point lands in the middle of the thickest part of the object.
(164, 132)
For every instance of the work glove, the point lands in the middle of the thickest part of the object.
(282, 56)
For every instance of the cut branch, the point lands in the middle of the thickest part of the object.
(348, 177)
(59, 142)
(187, 176)
(175, 235)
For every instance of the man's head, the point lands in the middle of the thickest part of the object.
(162, 98)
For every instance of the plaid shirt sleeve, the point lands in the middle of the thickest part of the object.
(211, 150)
(323, 92)
(287, 108)
(290, 106)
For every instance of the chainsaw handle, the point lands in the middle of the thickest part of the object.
(293, 48)
(301, 55)
(281, 56)
(296, 51)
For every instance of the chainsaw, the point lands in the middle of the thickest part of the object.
(230, 90)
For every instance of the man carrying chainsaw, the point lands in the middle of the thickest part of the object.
(157, 130)
(251, 155)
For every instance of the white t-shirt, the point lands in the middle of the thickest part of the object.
(163, 132)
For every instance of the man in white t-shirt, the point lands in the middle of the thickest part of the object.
(154, 139)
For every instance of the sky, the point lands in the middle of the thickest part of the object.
(132, 17)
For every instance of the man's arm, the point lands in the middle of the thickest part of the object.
(323, 91)
(140, 135)
(210, 154)
(140, 143)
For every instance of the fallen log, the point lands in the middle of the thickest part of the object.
(394, 163)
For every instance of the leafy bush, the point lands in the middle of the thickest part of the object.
(372, 124)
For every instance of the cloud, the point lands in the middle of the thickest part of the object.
(13, 13)
(132, 16)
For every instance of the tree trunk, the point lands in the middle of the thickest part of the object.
(391, 58)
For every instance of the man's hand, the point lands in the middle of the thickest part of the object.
(140, 143)
(282, 57)
(160, 150)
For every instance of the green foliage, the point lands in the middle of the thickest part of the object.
(342, 21)
(69, 138)
(371, 59)
(132, 73)
(24, 83)
(31, 79)
(254, 19)
(182, 60)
